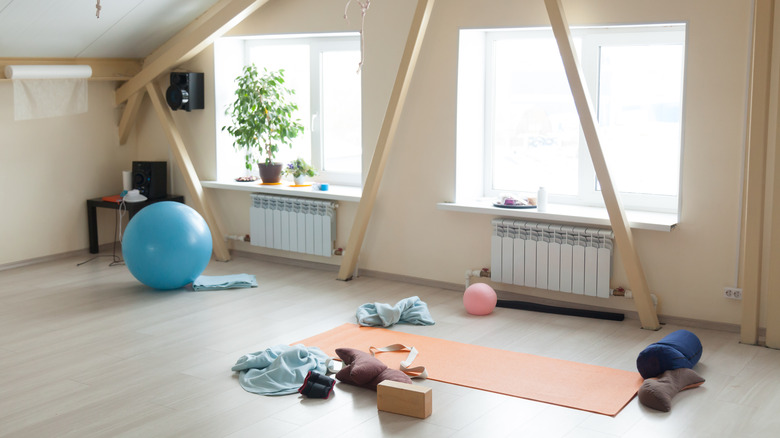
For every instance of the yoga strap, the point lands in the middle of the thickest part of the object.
(418, 372)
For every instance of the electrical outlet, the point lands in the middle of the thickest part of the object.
(732, 292)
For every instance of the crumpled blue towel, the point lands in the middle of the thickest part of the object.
(409, 310)
(218, 282)
(280, 369)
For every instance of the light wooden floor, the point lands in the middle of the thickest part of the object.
(88, 351)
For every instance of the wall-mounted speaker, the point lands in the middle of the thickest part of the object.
(185, 91)
(151, 178)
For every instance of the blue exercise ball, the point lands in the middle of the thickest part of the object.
(166, 245)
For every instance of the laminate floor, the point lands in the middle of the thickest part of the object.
(87, 351)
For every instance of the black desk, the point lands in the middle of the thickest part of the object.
(132, 208)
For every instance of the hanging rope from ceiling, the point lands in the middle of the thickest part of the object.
(364, 5)
(98, 8)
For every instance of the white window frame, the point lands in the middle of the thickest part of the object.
(233, 53)
(589, 40)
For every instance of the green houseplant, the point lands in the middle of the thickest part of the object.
(262, 120)
(299, 169)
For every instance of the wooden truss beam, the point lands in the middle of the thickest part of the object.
(187, 30)
(386, 135)
(617, 215)
(185, 165)
(189, 42)
(103, 69)
(129, 115)
(751, 234)
(759, 175)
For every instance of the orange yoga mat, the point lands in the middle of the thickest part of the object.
(581, 386)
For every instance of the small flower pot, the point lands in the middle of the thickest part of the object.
(299, 180)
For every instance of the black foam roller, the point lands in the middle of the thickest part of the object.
(522, 305)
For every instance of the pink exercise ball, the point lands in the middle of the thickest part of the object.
(479, 299)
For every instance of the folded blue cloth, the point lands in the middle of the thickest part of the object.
(279, 370)
(218, 282)
(409, 310)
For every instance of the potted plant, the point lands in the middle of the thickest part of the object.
(262, 120)
(299, 169)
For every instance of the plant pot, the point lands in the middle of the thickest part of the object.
(270, 173)
(299, 180)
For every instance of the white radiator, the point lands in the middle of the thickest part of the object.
(563, 258)
(292, 224)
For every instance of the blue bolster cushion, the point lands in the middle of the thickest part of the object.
(679, 349)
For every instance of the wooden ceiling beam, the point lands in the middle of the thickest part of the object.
(186, 44)
(129, 115)
(184, 163)
(103, 69)
(189, 42)
(752, 237)
(187, 30)
(617, 215)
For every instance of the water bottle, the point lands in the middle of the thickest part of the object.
(541, 200)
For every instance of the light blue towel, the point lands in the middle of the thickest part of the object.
(280, 369)
(219, 282)
(409, 310)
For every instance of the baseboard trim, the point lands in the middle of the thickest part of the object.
(513, 295)
(502, 294)
(286, 260)
(44, 259)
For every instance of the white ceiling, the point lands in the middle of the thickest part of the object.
(70, 29)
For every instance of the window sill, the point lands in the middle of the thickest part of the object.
(334, 193)
(569, 214)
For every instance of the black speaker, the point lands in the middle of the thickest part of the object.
(151, 178)
(185, 92)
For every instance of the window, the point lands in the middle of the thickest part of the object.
(520, 122)
(323, 72)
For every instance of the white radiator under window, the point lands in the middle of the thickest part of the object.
(293, 224)
(557, 257)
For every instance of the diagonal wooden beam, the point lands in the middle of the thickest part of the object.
(752, 236)
(386, 135)
(187, 30)
(617, 215)
(188, 43)
(185, 165)
(129, 115)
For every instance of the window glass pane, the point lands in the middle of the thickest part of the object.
(341, 111)
(535, 126)
(294, 59)
(640, 110)
(528, 130)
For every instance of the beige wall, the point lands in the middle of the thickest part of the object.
(686, 268)
(50, 167)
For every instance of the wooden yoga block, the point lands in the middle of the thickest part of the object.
(404, 399)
